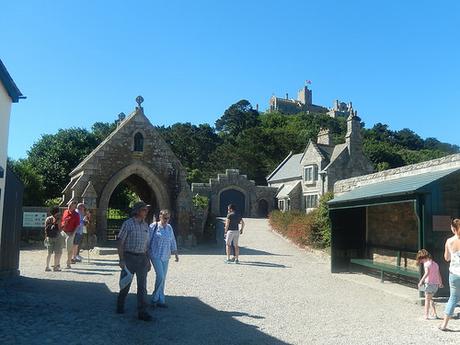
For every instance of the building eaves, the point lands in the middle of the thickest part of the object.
(9, 84)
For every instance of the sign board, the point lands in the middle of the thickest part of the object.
(441, 223)
(33, 219)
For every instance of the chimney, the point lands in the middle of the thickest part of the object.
(353, 137)
(324, 137)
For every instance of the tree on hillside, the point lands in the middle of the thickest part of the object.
(238, 117)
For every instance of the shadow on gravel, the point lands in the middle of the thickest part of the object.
(262, 264)
(37, 311)
(220, 250)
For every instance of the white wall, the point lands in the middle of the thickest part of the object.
(5, 110)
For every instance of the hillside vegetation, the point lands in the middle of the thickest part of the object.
(242, 138)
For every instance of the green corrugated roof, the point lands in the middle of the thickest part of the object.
(394, 187)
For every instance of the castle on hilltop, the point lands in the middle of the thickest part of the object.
(304, 102)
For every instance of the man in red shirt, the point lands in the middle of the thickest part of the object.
(69, 223)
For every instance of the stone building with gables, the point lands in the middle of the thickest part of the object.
(136, 155)
(303, 178)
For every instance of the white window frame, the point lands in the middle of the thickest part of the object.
(281, 205)
(311, 201)
(313, 172)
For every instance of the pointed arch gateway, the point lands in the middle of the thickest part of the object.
(136, 157)
(159, 199)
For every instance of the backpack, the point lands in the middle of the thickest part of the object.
(52, 230)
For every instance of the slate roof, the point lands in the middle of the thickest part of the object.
(393, 187)
(288, 169)
(286, 190)
(9, 84)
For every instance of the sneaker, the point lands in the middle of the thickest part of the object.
(227, 261)
(237, 261)
(73, 261)
(47, 269)
(57, 268)
(144, 316)
(68, 266)
(232, 259)
(78, 258)
(432, 317)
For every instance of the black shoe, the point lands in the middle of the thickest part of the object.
(162, 305)
(144, 316)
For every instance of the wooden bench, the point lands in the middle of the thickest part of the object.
(397, 267)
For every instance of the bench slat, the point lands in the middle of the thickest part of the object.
(386, 268)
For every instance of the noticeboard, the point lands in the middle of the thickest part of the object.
(33, 219)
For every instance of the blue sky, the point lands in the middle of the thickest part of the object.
(84, 61)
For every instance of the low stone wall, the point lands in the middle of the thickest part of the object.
(451, 161)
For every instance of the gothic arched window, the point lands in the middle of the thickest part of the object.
(138, 142)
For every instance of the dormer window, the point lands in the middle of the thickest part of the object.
(310, 173)
(138, 142)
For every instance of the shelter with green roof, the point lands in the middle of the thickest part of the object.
(385, 218)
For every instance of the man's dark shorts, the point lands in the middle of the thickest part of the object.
(77, 239)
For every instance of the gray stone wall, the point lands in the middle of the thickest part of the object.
(393, 225)
(232, 179)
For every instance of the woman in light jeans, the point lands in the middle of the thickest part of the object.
(162, 245)
(452, 254)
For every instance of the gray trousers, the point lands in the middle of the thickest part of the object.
(136, 264)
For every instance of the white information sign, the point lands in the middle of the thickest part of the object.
(33, 219)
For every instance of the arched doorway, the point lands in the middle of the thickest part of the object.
(139, 180)
(232, 196)
(262, 208)
(131, 190)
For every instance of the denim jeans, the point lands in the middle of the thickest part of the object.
(161, 268)
(454, 283)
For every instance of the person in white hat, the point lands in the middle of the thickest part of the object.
(133, 242)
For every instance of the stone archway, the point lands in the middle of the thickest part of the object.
(262, 208)
(143, 174)
(135, 157)
(232, 196)
(235, 195)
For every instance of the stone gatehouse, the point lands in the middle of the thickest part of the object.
(134, 154)
(232, 187)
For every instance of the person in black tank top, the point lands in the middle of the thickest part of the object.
(232, 232)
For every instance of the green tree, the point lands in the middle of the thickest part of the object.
(238, 117)
(54, 156)
(34, 193)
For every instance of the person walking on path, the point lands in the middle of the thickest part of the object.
(452, 254)
(69, 223)
(81, 209)
(430, 282)
(53, 239)
(233, 232)
(162, 245)
(133, 241)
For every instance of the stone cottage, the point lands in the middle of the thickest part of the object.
(303, 178)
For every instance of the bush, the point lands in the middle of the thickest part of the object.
(305, 229)
(200, 201)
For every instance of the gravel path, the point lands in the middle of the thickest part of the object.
(279, 294)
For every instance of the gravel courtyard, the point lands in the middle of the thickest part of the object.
(279, 294)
